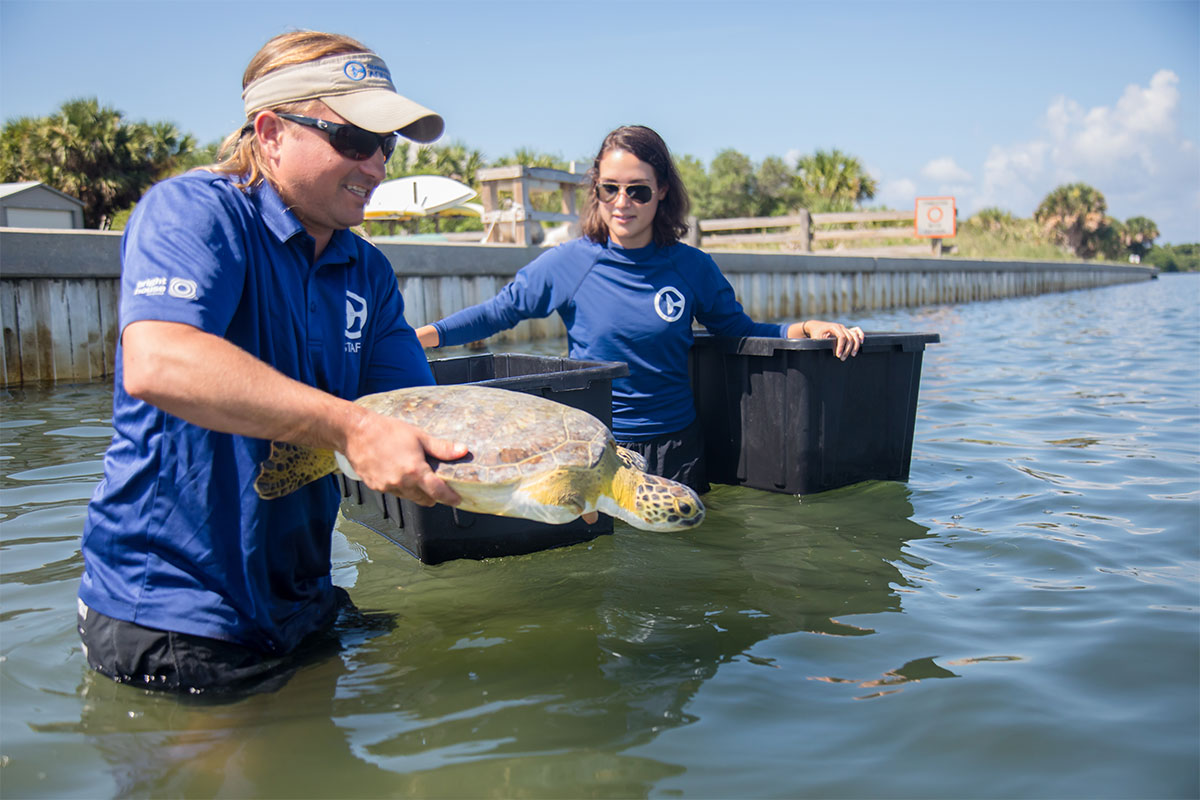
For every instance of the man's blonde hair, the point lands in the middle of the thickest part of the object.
(239, 155)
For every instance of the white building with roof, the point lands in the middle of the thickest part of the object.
(32, 204)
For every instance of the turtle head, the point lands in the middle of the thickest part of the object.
(653, 503)
(666, 505)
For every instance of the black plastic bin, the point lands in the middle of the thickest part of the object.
(785, 415)
(442, 533)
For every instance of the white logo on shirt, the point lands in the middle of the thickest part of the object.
(356, 315)
(669, 303)
(183, 288)
(151, 287)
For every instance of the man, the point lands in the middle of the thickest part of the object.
(249, 313)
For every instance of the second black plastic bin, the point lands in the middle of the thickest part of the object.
(785, 415)
(442, 533)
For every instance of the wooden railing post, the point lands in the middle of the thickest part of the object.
(693, 231)
(522, 222)
(805, 227)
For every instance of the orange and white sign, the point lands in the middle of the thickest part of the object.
(935, 218)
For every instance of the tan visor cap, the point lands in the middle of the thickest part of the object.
(357, 86)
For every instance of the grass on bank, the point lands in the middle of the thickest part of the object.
(1022, 241)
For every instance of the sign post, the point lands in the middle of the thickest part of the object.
(935, 218)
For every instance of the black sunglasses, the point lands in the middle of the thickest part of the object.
(637, 192)
(350, 140)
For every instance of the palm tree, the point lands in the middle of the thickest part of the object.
(528, 157)
(1138, 236)
(18, 150)
(834, 181)
(455, 160)
(1073, 215)
(411, 158)
(92, 153)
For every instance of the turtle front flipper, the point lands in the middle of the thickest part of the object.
(631, 458)
(651, 502)
(291, 466)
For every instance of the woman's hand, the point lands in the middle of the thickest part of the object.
(849, 340)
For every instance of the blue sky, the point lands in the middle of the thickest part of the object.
(995, 103)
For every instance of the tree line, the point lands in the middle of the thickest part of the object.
(731, 185)
(94, 153)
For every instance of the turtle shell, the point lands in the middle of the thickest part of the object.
(511, 435)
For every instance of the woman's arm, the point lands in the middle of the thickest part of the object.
(428, 336)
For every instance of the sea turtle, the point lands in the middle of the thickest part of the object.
(529, 457)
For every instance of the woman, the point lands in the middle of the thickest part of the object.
(628, 290)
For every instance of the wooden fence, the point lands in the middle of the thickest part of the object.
(804, 229)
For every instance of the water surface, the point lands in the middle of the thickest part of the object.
(1019, 619)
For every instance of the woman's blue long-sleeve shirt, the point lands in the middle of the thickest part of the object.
(635, 306)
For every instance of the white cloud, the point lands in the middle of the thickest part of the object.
(1014, 177)
(1130, 151)
(897, 193)
(945, 171)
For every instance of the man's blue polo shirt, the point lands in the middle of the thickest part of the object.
(176, 537)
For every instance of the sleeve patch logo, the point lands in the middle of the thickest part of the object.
(151, 287)
(183, 288)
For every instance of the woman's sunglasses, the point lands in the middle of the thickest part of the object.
(637, 192)
(350, 140)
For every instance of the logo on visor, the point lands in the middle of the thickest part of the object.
(669, 303)
(356, 315)
(355, 70)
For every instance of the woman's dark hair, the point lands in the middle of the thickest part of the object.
(670, 220)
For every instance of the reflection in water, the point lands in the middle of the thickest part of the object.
(913, 672)
(836, 560)
(623, 631)
(892, 680)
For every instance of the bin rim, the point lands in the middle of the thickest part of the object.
(570, 373)
(767, 345)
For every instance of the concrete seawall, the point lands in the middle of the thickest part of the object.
(59, 290)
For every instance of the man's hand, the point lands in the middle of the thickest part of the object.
(390, 456)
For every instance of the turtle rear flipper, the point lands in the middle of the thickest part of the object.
(289, 467)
